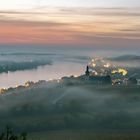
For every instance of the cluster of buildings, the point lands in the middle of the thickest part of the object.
(95, 74)
(114, 78)
(27, 85)
(117, 78)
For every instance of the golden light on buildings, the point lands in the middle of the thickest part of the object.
(96, 73)
(17, 86)
(27, 84)
(123, 71)
(93, 65)
(101, 66)
(3, 90)
(114, 71)
(120, 70)
(107, 65)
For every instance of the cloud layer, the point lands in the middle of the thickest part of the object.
(60, 25)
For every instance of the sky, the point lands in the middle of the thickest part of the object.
(70, 23)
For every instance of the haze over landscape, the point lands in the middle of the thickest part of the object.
(70, 69)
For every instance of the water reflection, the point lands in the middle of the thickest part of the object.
(54, 71)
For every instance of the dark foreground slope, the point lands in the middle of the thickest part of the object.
(59, 111)
(84, 135)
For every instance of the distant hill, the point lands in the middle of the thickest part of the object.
(126, 58)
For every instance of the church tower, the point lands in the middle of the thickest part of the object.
(87, 71)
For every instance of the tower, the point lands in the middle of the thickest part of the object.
(87, 71)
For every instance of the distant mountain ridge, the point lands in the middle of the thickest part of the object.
(126, 58)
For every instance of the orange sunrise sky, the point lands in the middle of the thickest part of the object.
(70, 23)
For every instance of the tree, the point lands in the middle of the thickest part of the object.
(9, 135)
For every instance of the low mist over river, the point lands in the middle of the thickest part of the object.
(20, 64)
(45, 108)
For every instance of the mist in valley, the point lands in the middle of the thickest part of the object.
(62, 107)
(58, 106)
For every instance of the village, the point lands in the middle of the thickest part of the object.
(97, 73)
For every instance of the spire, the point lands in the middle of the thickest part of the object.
(87, 71)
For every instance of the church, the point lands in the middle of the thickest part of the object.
(96, 79)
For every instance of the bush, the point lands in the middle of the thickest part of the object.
(10, 135)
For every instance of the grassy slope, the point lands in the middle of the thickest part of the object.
(97, 110)
(84, 135)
